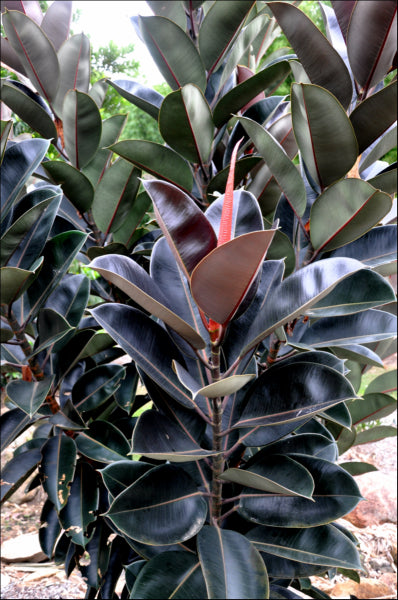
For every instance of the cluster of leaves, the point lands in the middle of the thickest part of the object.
(249, 302)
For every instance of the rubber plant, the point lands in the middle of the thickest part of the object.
(243, 307)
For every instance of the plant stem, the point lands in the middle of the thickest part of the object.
(24, 344)
(218, 460)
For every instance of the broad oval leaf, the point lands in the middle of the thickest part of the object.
(221, 280)
(95, 386)
(384, 383)
(376, 247)
(316, 387)
(328, 146)
(324, 545)
(172, 574)
(70, 298)
(82, 504)
(28, 110)
(13, 422)
(58, 468)
(35, 51)
(157, 33)
(156, 160)
(163, 506)
(174, 209)
(114, 195)
(335, 495)
(14, 281)
(186, 124)
(82, 127)
(279, 164)
(226, 558)
(371, 62)
(29, 395)
(17, 470)
(103, 442)
(322, 63)
(136, 283)
(373, 406)
(75, 185)
(346, 211)
(226, 386)
(374, 434)
(56, 22)
(119, 475)
(141, 96)
(137, 339)
(74, 64)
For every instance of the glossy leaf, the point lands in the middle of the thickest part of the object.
(49, 528)
(323, 387)
(157, 33)
(296, 294)
(226, 386)
(279, 164)
(360, 328)
(10, 57)
(161, 507)
(58, 255)
(226, 558)
(53, 331)
(103, 442)
(29, 395)
(346, 211)
(19, 162)
(328, 70)
(70, 298)
(278, 475)
(173, 209)
(158, 437)
(95, 386)
(56, 22)
(28, 110)
(111, 129)
(373, 406)
(99, 549)
(173, 574)
(374, 248)
(218, 31)
(13, 422)
(358, 353)
(82, 127)
(328, 146)
(335, 495)
(357, 468)
(6, 127)
(119, 475)
(228, 272)
(75, 185)
(114, 195)
(363, 290)
(324, 545)
(141, 96)
(246, 213)
(17, 470)
(74, 65)
(186, 125)
(370, 62)
(384, 383)
(156, 160)
(379, 148)
(58, 468)
(367, 129)
(266, 80)
(82, 504)
(35, 52)
(313, 444)
(14, 282)
(374, 434)
(136, 283)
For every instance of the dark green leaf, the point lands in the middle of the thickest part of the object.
(375, 434)
(119, 475)
(111, 129)
(161, 507)
(28, 110)
(376, 247)
(75, 185)
(14, 282)
(58, 468)
(226, 558)
(74, 64)
(70, 298)
(29, 395)
(127, 232)
(53, 329)
(17, 470)
(144, 97)
(82, 127)
(371, 407)
(103, 442)
(95, 386)
(13, 423)
(49, 528)
(384, 383)
(358, 468)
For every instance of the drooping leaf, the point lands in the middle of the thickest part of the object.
(156, 160)
(173, 507)
(328, 146)
(75, 185)
(157, 33)
(144, 97)
(346, 211)
(103, 442)
(58, 468)
(99, 550)
(114, 195)
(371, 62)
(173, 210)
(28, 110)
(29, 395)
(17, 470)
(328, 70)
(35, 51)
(279, 164)
(172, 574)
(324, 545)
(186, 125)
(226, 558)
(82, 127)
(221, 280)
(82, 504)
(324, 387)
(74, 65)
(50, 528)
